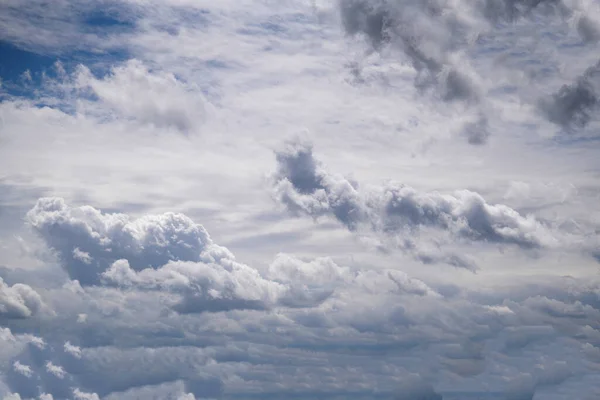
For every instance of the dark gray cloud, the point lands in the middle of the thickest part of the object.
(573, 106)
(427, 32)
(434, 36)
(305, 188)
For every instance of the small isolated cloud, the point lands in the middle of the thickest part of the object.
(55, 370)
(306, 188)
(18, 301)
(75, 351)
(23, 369)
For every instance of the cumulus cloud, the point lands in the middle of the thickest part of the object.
(18, 301)
(163, 252)
(303, 185)
(170, 253)
(205, 287)
(155, 309)
(75, 351)
(148, 242)
(55, 370)
(23, 369)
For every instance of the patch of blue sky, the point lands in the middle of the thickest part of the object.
(23, 72)
(16, 62)
(25, 65)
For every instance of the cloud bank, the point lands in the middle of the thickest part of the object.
(395, 210)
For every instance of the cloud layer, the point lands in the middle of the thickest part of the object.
(131, 129)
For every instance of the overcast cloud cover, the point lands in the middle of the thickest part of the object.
(300, 199)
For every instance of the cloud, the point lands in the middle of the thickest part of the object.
(574, 105)
(426, 32)
(161, 247)
(445, 42)
(303, 185)
(18, 301)
(133, 91)
(55, 370)
(23, 369)
(79, 395)
(205, 287)
(148, 242)
(326, 318)
(75, 351)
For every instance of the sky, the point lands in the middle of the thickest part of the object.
(300, 199)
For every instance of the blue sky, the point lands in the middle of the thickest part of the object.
(338, 199)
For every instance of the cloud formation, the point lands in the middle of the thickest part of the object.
(574, 105)
(443, 42)
(298, 325)
(303, 185)
(105, 305)
(18, 301)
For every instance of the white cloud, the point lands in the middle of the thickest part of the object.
(79, 395)
(147, 242)
(55, 370)
(75, 351)
(133, 91)
(18, 301)
(23, 369)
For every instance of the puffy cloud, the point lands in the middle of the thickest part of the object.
(310, 327)
(205, 287)
(166, 252)
(18, 301)
(79, 395)
(23, 369)
(150, 241)
(306, 188)
(55, 370)
(75, 351)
